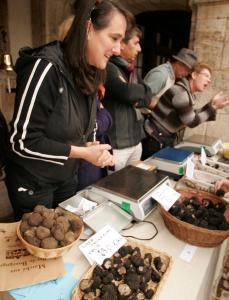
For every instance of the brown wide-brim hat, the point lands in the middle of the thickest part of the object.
(186, 56)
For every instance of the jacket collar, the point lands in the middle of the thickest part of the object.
(121, 63)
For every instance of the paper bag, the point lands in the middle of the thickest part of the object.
(18, 268)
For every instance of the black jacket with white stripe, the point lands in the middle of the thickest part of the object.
(50, 115)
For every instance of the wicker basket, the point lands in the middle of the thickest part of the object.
(47, 253)
(192, 234)
(77, 294)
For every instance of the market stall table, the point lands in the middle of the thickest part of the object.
(193, 268)
(186, 280)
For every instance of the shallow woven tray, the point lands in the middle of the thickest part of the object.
(192, 234)
(167, 260)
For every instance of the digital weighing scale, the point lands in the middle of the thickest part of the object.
(171, 160)
(194, 143)
(131, 188)
(103, 212)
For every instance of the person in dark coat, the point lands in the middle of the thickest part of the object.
(87, 172)
(125, 94)
(55, 107)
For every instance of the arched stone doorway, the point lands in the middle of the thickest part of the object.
(164, 33)
(139, 6)
(166, 27)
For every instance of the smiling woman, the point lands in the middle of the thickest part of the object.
(55, 107)
(104, 27)
(106, 42)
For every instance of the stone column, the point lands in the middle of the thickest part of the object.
(210, 39)
(54, 17)
(38, 8)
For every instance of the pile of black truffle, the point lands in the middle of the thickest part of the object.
(201, 213)
(128, 275)
(50, 229)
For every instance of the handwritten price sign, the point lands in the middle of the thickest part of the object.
(165, 195)
(102, 244)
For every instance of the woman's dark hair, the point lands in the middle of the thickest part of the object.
(88, 77)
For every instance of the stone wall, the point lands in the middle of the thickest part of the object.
(210, 39)
(19, 23)
(55, 17)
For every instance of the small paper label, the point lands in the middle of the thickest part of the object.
(188, 253)
(143, 166)
(102, 244)
(86, 204)
(203, 156)
(73, 209)
(165, 195)
(190, 168)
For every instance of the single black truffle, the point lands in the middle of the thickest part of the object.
(133, 281)
(149, 294)
(220, 193)
(107, 264)
(157, 262)
(155, 276)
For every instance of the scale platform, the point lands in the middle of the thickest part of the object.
(171, 160)
(194, 143)
(131, 189)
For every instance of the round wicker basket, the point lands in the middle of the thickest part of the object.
(47, 253)
(192, 234)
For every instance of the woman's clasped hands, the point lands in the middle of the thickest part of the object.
(95, 153)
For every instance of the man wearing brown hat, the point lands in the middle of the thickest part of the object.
(160, 79)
